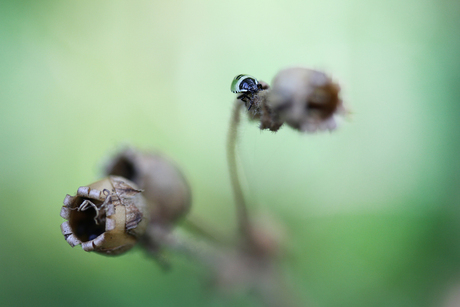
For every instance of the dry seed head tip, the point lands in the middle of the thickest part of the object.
(306, 99)
(107, 216)
(259, 109)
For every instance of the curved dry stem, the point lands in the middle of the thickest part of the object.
(204, 231)
(232, 137)
(159, 238)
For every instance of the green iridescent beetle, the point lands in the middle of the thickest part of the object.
(246, 84)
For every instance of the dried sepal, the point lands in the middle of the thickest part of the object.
(305, 99)
(262, 112)
(107, 216)
(165, 188)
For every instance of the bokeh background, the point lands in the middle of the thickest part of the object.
(371, 210)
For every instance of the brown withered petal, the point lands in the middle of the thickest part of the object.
(165, 188)
(260, 111)
(305, 99)
(107, 216)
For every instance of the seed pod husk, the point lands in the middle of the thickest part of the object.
(305, 99)
(165, 187)
(107, 216)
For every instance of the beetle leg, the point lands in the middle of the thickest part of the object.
(243, 98)
(250, 105)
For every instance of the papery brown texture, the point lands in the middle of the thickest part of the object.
(107, 216)
(305, 99)
(261, 112)
(165, 188)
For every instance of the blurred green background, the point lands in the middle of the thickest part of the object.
(371, 210)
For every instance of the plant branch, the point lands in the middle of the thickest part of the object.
(203, 230)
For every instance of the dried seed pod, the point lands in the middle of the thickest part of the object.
(107, 216)
(305, 99)
(165, 188)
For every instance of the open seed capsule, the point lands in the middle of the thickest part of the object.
(107, 216)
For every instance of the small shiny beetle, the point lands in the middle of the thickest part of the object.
(248, 85)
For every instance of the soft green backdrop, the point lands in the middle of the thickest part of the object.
(371, 210)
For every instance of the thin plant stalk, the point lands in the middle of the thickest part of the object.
(180, 242)
(232, 137)
(203, 230)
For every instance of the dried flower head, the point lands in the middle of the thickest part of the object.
(107, 216)
(305, 99)
(165, 188)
